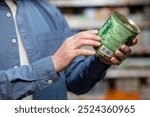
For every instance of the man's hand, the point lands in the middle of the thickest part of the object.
(120, 55)
(71, 48)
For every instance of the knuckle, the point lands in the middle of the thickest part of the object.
(130, 50)
(81, 34)
(93, 42)
(117, 62)
(82, 42)
(117, 52)
(78, 52)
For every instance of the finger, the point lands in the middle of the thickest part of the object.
(92, 31)
(115, 61)
(86, 35)
(126, 50)
(86, 42)
(121, 56)
(134, 42)
(85, 52)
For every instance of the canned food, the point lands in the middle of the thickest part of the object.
(117, 30)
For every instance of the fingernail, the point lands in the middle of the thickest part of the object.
(99, 38)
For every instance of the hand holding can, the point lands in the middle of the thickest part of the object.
(117, 31)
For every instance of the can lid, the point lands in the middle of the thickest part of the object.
(126, 22)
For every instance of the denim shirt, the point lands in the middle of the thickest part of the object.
(43, 29)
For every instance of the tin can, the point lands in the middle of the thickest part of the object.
(117, 30)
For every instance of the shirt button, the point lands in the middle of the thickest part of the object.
(50, 81)
(8, 14)
(15, 67)
(13, 41)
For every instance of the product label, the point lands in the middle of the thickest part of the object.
(104, 50)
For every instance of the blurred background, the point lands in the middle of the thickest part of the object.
(130, 80)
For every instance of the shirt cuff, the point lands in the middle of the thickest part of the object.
(44, 68)
(97, 68)
(100, 64)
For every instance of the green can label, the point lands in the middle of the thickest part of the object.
(118, 30)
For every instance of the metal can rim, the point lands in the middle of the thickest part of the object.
(128, 19)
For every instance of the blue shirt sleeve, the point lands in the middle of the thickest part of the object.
(83, 73)
(20, 82)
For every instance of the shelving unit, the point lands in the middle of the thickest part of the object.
(97, 3)
(78, 22)
(82, 23)
(92, 14)
(128, 73)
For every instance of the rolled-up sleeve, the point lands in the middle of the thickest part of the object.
(20, 82)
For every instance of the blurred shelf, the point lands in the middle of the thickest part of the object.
(81, 23)
(141, 50)
(128, 73)
(134, 63)
(77, 22)
(97, 3)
